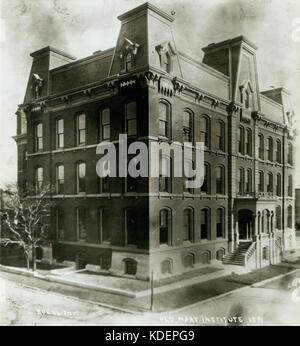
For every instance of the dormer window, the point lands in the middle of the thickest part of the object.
(128, 54)
(246, 93)
(165, 52)
(36, 86)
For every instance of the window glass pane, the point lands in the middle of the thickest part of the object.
(81, 170)
(186, 119)
(82, 136)
(60, 126)
(105, 216)
(131, 110)
(81, 121)
(162, 109)
(39, 130)
(106, 132)
(162, 128)
(106, 116)
(131, 127)
(82, 223)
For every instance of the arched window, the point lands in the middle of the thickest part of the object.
(205, 257)
(270, 183)
(81, 177)
(131, 227)
(290, 186)
(60, 179)
(240, 140)
(248, 142)
(278, 151)
(81, 128)
(187, 123)
(261, 182)
(38, 132)
(248, 185)
(241, 180)
(290, 216)
(59, 133)
(261, 147)
(205, 131)
(278, 217)
(270, 149)
(131, 119)
(205, 188)
(204, 220)
(220, 180)
(221, 135)
(189, 260)
(220, 223)
(164, 119)
(165, 227)
(104, 121)
(166, 266)
(188, 224)
(220, 254)
(130, 266)
(39, 179)
(278, 185)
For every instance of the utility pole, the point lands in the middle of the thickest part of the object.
(152, 291)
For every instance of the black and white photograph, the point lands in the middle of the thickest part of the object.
(150, 173)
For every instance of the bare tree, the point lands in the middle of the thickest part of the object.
(26, 220)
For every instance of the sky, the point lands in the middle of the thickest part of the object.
(81, 27)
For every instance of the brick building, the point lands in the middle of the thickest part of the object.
(146, 87)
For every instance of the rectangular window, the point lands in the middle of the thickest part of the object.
(219, 223)
(187, 225)
(60, 133)
(204, 224)
(221, 136)
(81, 129)
(104, 226)
(164, 227)
(165, 173)
(131, 227)
(39, 137)
(39, 178)
(205, 185)
(278, 185)
(261, 146)
(241, 179)
(163, 120)
(105, 125)
(270, 183)
(204, 132)
(240, 140)
(261, 182)
(248, 142)
(59, 223)
(81, 174)
(131, 124)
(248, 184)
(187, 122)
(23, 123)
(220, 180)
(81, 224)
(60, 179)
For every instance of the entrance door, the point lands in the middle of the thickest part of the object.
(245, 218)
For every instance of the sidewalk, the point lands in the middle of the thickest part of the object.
(135, 295)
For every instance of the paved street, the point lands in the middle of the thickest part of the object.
(270, 304)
